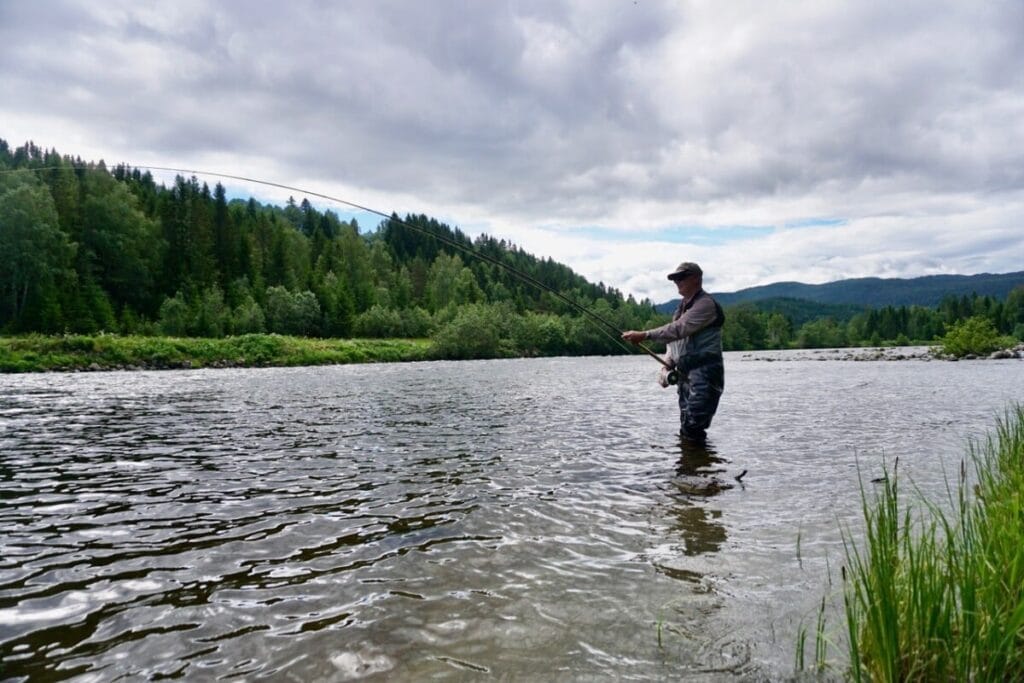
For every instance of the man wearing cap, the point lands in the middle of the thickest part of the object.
(694, 339)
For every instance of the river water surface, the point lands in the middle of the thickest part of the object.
(521, 519)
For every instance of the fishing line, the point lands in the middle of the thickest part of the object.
(603, 324)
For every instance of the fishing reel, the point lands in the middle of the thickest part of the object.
(668, 377)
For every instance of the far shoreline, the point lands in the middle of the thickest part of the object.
(108, 353)
(878, 353)
(103, 352)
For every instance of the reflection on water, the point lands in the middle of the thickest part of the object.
(699, 472)
(524, 519)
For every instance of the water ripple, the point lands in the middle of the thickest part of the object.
(508, 518)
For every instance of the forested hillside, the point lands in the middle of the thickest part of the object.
(874, 292)
(751, 327)
(85, 249)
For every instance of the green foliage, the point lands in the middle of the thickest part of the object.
(1013, 313)
(256, 348)
(337, 304)
(295, 313)
(416, 323)
(37, 353)
(538, 334)
(378, 322)
(778, 331)
(934, 596)
(750, 326)
(212, 316)
(35, 255)
(119, 246)
(818, 334)
(86, 250)
(474, 332)
(745, 328)
(247, 317)
(450, 283)
(175, 317)
(975, 335)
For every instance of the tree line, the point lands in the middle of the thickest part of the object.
(751, 327)
(85, 249)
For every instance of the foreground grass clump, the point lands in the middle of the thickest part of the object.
(940, 596)
(35, 353)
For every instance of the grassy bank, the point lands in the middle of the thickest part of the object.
(36, 353)
(935, 595)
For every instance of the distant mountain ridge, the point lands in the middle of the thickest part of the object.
(874, 292)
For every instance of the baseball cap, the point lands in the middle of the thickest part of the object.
(683, 269)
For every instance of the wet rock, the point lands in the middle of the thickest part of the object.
(700, 485)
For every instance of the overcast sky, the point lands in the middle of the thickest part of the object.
(808, 141)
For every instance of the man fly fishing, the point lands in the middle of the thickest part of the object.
(694, 339)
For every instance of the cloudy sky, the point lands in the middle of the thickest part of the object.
(808, 141)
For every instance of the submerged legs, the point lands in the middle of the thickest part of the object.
(699, 393)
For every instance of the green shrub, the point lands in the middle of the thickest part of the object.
(175, 317)
(77, 343)
(295, 313)
(378, 323)
(416, 322)
(256, 348)
(538, 334)
(474, 332)
(248, 317)
(976, 335)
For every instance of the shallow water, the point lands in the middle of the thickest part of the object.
(525, 519)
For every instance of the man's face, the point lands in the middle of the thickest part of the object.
(688, 285)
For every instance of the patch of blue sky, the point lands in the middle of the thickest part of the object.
(684, 234)
(367, 221)
(816, 222)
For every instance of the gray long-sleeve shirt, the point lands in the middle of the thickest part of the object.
(694, 320)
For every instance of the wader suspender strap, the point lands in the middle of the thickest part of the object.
(685, 306)
(694, 361)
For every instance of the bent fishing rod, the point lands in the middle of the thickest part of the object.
(603, 324)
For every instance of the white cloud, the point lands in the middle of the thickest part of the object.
(543, 121)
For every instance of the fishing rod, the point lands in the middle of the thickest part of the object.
(603, 324)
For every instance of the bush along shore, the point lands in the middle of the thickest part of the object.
(969, 339)
(73, 353)
(78, 353)
(936, 592)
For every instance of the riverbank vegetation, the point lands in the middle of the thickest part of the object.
(87, 251)
(936, 592)
(772, 325)
(34, 353)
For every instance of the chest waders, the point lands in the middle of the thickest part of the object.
(701, 374)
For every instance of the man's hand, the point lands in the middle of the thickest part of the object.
(634, 336)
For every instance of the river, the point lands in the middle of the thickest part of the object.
(520, 519)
